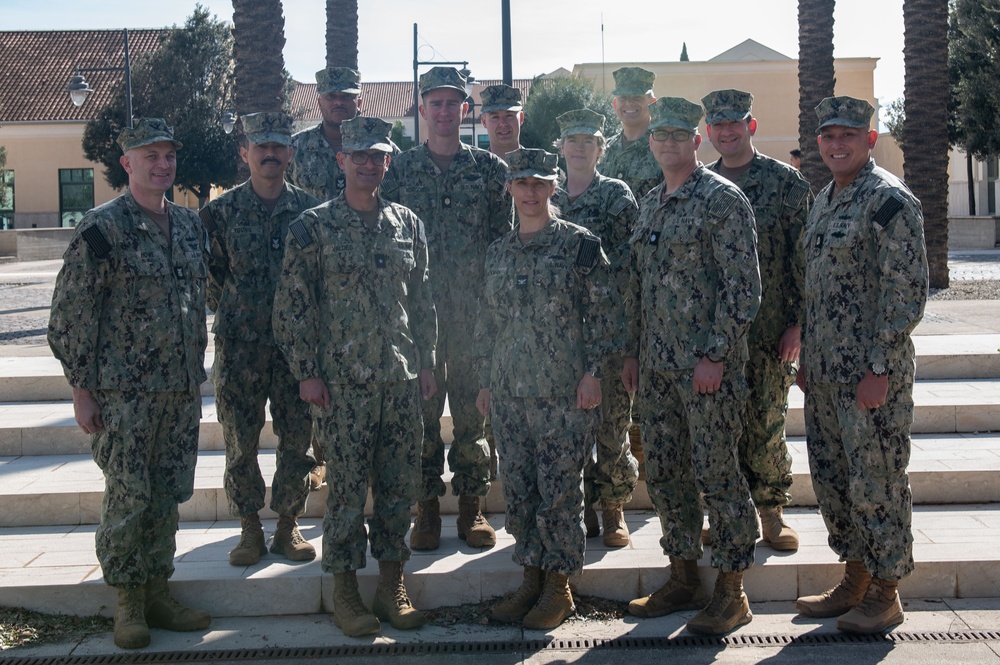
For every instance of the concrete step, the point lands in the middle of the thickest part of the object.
(54, 569)
(68, 489)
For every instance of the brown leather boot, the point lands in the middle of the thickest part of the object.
(776, 531)
(615, 530)
(553, 606)
(349, 613)
(590, 521)
(251, 546)
(165, 611)
(391, 602)
(289, 543)
(472, 526)
(879, 611)
(426, 533)
(728, 608)
(683, 591)
(846, 595)
(131, 631)
(513, 608)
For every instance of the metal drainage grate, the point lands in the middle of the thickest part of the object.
(522, 646)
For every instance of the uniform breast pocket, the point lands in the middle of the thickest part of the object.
(247, 251)
(841, 236)
(683, 240)
(341, 267)
(149, 285)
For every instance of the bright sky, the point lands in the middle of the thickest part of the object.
(546, 34)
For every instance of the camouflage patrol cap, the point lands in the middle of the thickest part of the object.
(723, 105)
(532, 163)
(501, 98)
(338, 79)
(674, 112)
(630, 81)
(364, 133)
(442, 77)
(581, 121)
(146, 132)
(268, 128)
(844, 111)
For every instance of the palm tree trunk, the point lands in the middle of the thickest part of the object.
(342, 33)
(259, 33)
(925, 129)
(816, 81)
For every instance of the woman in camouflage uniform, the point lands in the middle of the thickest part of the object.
(542, 335)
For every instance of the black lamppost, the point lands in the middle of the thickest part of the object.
(78, 88)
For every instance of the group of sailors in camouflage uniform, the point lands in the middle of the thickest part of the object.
(355, 287)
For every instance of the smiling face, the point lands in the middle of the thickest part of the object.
(267, 160)
(673, 155)
(731, 139)
(443, 109)
(845, 150)
(582, 152)
(504, 129)
(151, 168)
(364, 177)
(531, 196)
(633, 110)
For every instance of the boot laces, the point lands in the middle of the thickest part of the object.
(721, 598)
(425, 520)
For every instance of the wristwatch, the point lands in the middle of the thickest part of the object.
(878, 369)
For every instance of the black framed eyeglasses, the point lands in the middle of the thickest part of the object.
(677, 135)
(377, 157)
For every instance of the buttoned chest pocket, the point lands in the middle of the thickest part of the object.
(553, 285)
(248, 251)
(765, 216)
(149, 279)
(839, 240)
(500, 285)
(342, 266)
(682, 239)
(393, 268)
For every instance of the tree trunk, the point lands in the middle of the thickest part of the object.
(816, 81)
(342, 33)
(972, 185)
(925, 129)
(259, 33)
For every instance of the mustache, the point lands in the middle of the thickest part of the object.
(270, 160)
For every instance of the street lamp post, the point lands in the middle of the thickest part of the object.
(416, 91)
(78, 88)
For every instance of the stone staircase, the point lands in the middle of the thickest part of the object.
(50, 499)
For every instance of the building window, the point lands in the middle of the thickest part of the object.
(76, 195)
(484, 141)
(6, 199)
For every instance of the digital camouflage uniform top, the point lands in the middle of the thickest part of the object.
(694, 285)
(866, 279)
(633, 163)
(464, 210)
(353, 304)
(128, 312)
(780, 198)
(247, 245)
(314, 166)
(562, 273)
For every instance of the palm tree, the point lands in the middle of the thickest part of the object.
(259, 33)
(816, 81)
(925, 128)
(342, 33)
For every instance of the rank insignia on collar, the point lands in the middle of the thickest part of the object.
(178, 272)
(380, 260)
(276, 243)
(341, 182)
(654, 238)
(446, 201)
(522, 281)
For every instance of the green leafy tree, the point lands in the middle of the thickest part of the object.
(399, 137)
(188, 81)
(550, 98)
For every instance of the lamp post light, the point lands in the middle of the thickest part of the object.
(78, 88)
(228, 122)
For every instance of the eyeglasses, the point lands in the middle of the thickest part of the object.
(677, 136)
(361, 158)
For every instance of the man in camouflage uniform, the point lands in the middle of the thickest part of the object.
(628, 156)
(502, 116)
(780, 199)
(128, 326)
(458, 191)
(247, 227)
(866, 286)
(354, 316)
(694, 289)
(606, 207)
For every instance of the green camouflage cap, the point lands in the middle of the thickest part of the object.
(338, 79)
(844, 111)
(364, 133)
(442, 77)
(532, 163)
(501, 98)
(581, 121)
(147, 131)
(268, 128)
(674, 112)
(723, 105)
(631, 81)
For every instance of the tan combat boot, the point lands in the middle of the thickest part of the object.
(349, 613)
(590, 521)
(728, 608)
(776, 531)
(391, 602)
(683, 591)
(472, 526)
(513, 608)
(131, 631)
(615, 529)
(706, 535)
(553, 606)
(165, 611)
(251, 546)
(317, 477)
(426, 533)
(879, 611)
(846, 595)
(289, 543)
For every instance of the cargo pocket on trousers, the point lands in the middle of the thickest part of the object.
(101, 444)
